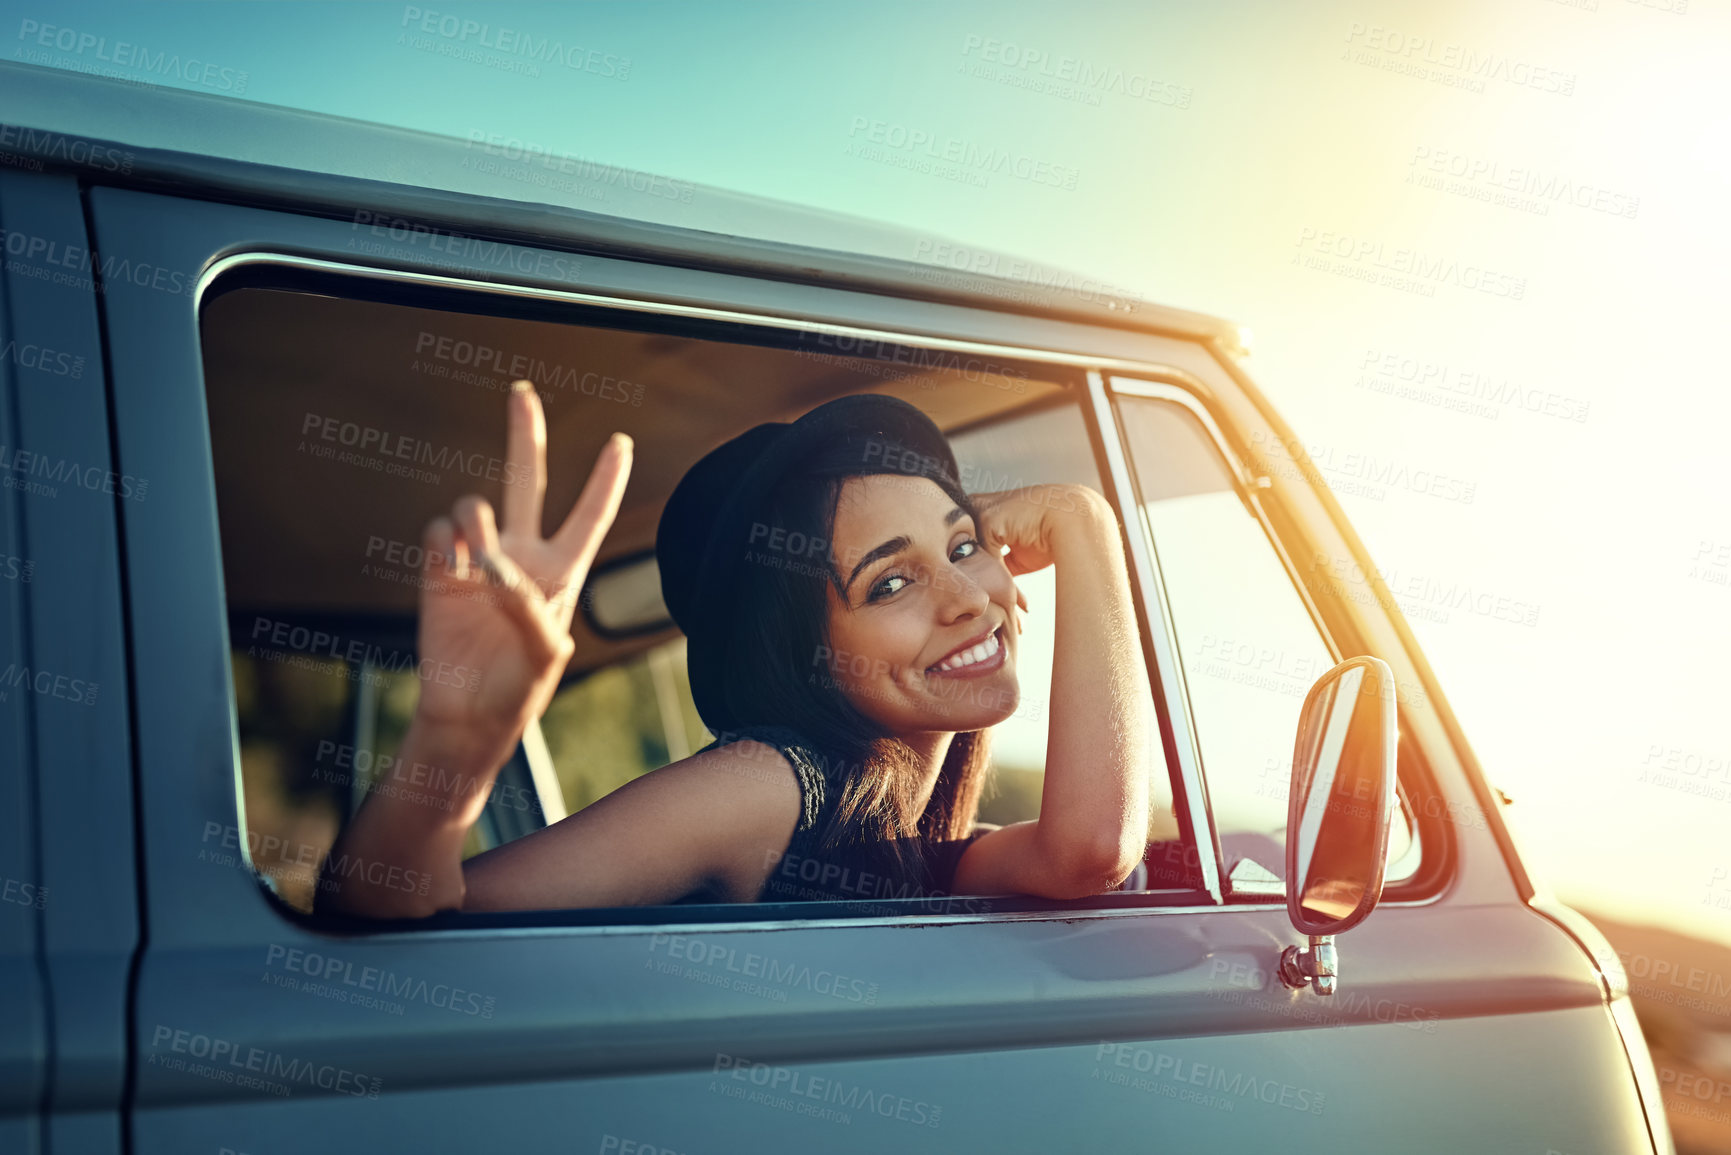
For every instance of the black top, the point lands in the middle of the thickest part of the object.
(808, 873)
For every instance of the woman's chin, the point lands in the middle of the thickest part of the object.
(976, 705)
(1008, 709)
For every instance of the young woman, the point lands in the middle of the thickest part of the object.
(851, 625)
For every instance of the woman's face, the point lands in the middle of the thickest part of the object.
(920, 585)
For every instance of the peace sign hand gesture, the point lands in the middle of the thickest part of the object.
(497, 602)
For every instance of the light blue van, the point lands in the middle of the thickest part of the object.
(246, 351)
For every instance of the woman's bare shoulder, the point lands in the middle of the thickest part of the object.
(720, 818)
(750, 800)
(743, 772)
(741, 755)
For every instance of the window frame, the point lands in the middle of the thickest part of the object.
(1427, 842)
(1172, 711)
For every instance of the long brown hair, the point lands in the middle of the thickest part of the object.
(780, 644)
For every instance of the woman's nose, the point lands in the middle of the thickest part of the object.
(960, 594)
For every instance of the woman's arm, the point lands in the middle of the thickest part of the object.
(720, 819)
(1093, 824)
(401, 856)
(494, 636)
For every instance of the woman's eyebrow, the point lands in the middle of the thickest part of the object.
(895, 545)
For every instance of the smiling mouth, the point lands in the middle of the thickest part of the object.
(987, 655)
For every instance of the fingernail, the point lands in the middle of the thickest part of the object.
(522, 385)
(624, 442)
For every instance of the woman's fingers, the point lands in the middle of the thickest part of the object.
(516, 594)
(443, 556)
(526, 461)
(580, 536)
(514, 591)
(475, 518)
(1016, 526)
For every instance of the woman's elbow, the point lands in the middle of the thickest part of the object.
(1094, 865)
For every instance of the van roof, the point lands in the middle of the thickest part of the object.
(234, 149)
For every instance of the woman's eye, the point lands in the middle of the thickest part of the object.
(879, 592)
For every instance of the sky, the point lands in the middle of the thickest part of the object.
(1480, 248)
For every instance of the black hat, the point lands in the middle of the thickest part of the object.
(706, 526)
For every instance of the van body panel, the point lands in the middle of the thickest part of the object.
(431, 1009)
(84, 795)
(1537, 1082)
(24, 1044)
(1592, 940)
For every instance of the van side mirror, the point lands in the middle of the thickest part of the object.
(1338, 813)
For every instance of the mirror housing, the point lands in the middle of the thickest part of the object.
(1339, 811)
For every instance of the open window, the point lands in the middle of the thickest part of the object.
(342, 422)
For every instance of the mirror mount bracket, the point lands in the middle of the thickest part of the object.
(1313, 966)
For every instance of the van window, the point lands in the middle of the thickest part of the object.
(339, 426)
(1249, 647)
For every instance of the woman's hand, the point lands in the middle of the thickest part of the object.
(497, 600)
(1025, 520)
(495, 634)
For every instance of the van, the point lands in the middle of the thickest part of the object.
(248, 352)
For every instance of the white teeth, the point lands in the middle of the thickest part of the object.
(968, 657)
